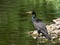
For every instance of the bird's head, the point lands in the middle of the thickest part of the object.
(31, 12)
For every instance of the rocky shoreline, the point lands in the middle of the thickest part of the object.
(53, 30)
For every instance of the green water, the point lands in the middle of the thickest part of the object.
(15, 23)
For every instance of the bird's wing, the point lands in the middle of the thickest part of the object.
(41, 26)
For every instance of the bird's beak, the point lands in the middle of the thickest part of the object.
(29, 12)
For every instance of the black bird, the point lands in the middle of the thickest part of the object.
(39, 25)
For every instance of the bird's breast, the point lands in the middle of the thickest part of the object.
(35, 25)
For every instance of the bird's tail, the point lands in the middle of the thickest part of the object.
(48, 37)
(45, 34)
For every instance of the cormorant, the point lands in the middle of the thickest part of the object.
(39, 25)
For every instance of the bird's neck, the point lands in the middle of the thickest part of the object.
(33, 17)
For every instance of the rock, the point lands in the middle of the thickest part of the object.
(50, 27)
(35, 34)
(42, 40)
(53, 30)
(57, 21)
(55, 26)
(55, 34)
(59, 38)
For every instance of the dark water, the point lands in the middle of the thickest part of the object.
(15, 23)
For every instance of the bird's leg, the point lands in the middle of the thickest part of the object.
(39, 32)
